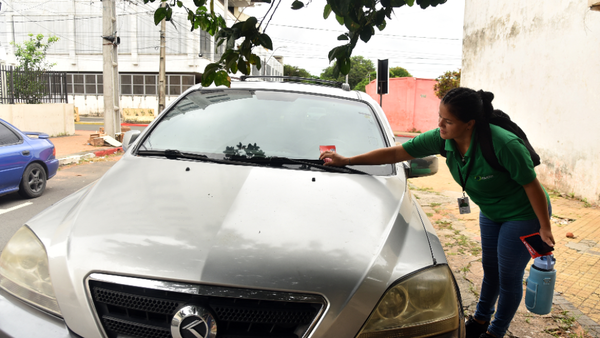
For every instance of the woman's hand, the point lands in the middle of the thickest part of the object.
(538, 201)
(546, 235)
(333, 159)
(375, 157)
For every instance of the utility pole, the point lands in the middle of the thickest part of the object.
(112, 114)
(161, 67)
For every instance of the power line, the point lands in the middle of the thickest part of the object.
(379, 34)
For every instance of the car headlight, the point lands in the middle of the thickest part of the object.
(24, 271)
(423, 305)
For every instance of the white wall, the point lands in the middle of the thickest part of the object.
(541, 59)
(94, 105)
(54, 119)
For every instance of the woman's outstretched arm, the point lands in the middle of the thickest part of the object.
(379, 156)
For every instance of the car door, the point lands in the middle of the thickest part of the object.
(14, 157)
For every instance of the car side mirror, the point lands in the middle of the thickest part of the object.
(129, 138)
(420, 167)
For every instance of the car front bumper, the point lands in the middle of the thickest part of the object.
(18, 319)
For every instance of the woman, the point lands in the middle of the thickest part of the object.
(512, 202)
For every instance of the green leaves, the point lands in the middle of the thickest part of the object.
(265, 41)
(27, 83)
(297, 4)
(222, 79)
(326, 11)
(359, 17)
(159, 15)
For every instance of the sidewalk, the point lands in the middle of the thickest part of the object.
(72, 149)
(577, 288)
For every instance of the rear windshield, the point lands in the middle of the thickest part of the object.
(219, 123)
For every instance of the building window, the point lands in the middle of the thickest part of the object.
(138, 84)
(205, 44)
(78, 85)
(84, 84)
(150, 84)
(126, 84)
(146, 84)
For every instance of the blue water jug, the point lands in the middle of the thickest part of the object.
(540, 285)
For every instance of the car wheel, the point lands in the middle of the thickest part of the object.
(33, 182)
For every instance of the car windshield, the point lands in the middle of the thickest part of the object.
(255, 124)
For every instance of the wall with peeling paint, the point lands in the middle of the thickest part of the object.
(541, 59)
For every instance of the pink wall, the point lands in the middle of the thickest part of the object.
(410, 105)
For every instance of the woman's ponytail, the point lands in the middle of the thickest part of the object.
(488, 108)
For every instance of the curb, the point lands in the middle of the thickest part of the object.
(76, 158)
(122, 124)
(134, 124)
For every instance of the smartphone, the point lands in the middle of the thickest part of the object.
(535, 242)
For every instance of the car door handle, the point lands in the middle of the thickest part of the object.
(25, 152)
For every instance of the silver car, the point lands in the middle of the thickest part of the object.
(221, 221)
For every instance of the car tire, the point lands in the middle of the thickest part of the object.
(33, 182)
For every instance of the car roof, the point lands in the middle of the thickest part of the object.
(293, 87)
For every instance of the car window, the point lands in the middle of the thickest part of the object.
(259, 123)
(7, 136)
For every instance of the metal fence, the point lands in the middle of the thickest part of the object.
(19, 86)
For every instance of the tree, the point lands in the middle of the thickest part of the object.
(450, 80)
(295, 71)
(360, 69)
(27, 82)
(359, 17)
(399, 72)
(394, 72)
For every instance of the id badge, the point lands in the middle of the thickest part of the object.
(463, 205)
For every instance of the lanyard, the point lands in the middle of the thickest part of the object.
(463, 183)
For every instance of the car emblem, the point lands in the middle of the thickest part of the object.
(193, 322)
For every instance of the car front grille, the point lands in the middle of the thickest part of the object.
(139, 308)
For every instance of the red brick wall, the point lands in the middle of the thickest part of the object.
(410, 105)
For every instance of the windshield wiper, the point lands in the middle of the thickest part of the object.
(176, 154)
(305, 163)
(319, 164)
(241, 160)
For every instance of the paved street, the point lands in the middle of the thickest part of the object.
(15, 211)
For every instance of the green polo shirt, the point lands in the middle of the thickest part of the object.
(499, 195)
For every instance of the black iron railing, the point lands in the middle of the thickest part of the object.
(22, 86)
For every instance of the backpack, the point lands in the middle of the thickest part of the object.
(502, 120)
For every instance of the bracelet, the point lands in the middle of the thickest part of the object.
(348, 160)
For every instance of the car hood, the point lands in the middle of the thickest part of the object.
(242, 226)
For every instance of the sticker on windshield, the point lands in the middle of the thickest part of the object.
(323, 149)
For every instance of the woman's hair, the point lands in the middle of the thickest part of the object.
(466, 104)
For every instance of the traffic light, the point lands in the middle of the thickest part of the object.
(383, 76)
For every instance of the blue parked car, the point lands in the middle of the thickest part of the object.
(27, 161)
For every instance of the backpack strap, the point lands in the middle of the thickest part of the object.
(443, 149)
(484, 137)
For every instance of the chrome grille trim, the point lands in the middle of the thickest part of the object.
(206, 290)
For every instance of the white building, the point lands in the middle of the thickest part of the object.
(541, 60)
(78, 24)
